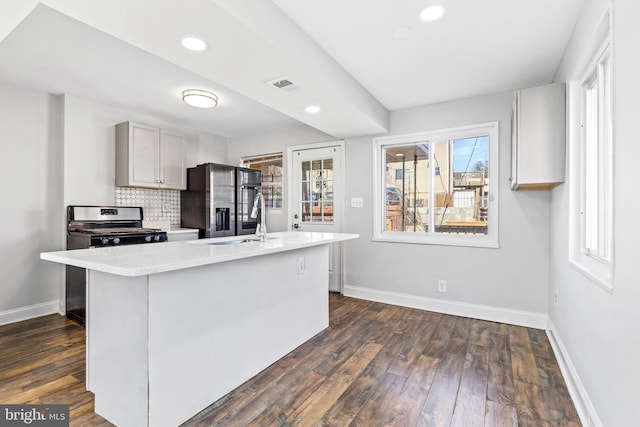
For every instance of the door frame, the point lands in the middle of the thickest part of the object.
(341, 176)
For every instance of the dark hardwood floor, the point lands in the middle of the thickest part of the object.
(376, 365)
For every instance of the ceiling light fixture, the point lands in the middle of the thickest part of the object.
(200, 98)
(193, 43)
(312, 109)
(432, 13)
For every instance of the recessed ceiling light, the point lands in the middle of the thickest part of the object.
(432, 13)
(312, 109)
(200, 98)
(193, 43)
(402, 33)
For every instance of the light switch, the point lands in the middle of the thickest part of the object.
(357, 202)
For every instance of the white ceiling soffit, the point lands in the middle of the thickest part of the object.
(342, 55)
(52, 52)
(249, 44)
(342, 99)
(478, 47)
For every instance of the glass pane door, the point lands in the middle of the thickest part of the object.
(316, 186)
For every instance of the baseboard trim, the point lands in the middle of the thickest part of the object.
(30, 312)
(476, 311)
(584, 406)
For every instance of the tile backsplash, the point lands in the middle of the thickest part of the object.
(157, 205)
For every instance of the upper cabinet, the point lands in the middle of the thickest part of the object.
(538, 137)
(173, 172)
(149, 157)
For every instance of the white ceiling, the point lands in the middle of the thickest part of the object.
(55, 53)
(343, 55)
(478, 47)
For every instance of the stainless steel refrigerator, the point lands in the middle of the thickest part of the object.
(218, 200)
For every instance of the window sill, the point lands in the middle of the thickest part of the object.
(603, 282)
(439, 240)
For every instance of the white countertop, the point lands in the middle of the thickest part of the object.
(141, 260)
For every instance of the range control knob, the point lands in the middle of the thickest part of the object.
(116, 240)
(157, 237)
(104, 241)
(147, 239)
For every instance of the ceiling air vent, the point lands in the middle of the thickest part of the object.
(284, 85)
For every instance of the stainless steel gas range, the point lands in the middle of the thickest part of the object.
(95, 227)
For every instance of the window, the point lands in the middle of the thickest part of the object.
(437, 187)
(592, 193)
(271, 167)
(316, 196)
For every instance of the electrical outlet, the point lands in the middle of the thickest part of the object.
(442, 286)
(357, 202)
(555, 297)
(301, 265)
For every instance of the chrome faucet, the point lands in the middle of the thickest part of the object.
(261, 229)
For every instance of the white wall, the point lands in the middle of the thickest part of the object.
(513, 277)
(89, 147)
(274, 142)
(58, 150)
(31, 208)
(598, 329)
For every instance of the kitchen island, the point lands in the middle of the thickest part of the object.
(172, 327)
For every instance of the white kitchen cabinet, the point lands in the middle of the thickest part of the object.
(538, 138)
(149, 157)
(173, 171)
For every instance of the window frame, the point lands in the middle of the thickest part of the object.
(380, 234)
(597, 265)
(265, 158)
